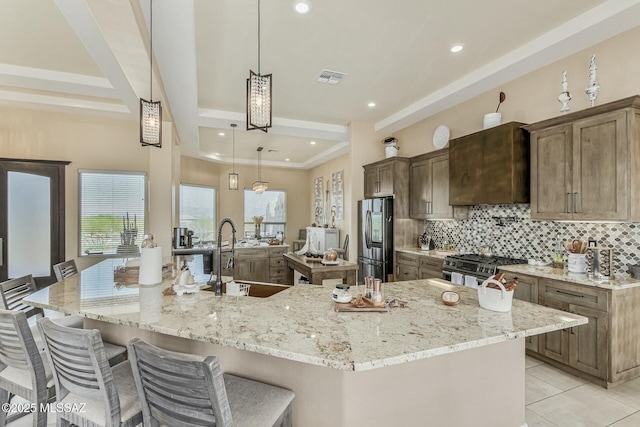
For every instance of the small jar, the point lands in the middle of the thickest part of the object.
(376, 293)
(368, 286)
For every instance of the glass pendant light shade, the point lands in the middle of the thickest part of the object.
(233, 176)
(258, 95)
(233, 181)
(258, 101)
(260, 186)
(150, 123)
(150, 112)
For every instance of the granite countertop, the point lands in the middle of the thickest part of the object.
(300, 323)
(208, 249)
(619, 282)
(435, 253)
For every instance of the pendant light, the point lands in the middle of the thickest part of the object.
(260, 186)
(233, 176)
(258, 95)
(150, 112)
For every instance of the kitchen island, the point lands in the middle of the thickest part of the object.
(426, 364)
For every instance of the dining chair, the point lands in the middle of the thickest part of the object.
(22, 371)
(183, 390)
(344, 251)
(65, 269)
(13, 291)
(84, 379)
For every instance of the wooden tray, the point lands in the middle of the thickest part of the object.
(349, 308)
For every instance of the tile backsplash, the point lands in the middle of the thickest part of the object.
(509, 230)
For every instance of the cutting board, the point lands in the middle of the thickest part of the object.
(349, 308)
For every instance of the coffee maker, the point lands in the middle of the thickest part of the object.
(182, 238)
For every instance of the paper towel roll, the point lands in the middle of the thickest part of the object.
(150, 266)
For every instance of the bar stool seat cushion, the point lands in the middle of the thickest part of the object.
(254, 403)
(94, 411)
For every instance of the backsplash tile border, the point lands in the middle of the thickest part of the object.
(526, 239)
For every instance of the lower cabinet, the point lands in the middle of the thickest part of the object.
(585, 347)
(414, 266)
(260, 264)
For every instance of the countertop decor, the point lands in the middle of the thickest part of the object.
(567, 276)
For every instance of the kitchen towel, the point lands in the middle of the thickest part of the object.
(457, 278)
(150, 266)
(471, 282)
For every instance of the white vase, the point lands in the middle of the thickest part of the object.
(490, 120)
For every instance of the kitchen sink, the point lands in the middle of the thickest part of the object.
(258, 290)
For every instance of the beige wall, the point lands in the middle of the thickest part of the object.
(534, 97)
(87, 142)
(325, 172)
(231, 203)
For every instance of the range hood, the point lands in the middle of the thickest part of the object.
(490, 167)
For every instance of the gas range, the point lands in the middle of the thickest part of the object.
(480, 266)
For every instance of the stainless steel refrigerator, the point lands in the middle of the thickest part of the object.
(375, 238)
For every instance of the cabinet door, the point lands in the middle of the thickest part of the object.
(551, 173)
(438, 188)
(554, 345)
(385, 180)
(428, 273)
(418, 176)
(527, 290)
(588, 343)
(243, 269)
(600, 187)
(463, 179)
(370, 182)
(260, 270)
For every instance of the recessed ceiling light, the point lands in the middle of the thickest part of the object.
(220, 133)
(216, 154)
(301, 6)
(312, 143)
(456, 48)
(287, 160)
(371, 104)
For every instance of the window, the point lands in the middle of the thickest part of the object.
(198, 211)
(112, 212)
(271, 205)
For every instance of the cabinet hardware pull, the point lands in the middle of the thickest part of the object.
(575, 198)
(568, 293)
(566, 202)
(1, 252)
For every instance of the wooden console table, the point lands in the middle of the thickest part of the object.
(317, 272)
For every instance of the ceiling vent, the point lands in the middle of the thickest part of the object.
(330, 77)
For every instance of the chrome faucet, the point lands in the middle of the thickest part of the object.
(230, 262)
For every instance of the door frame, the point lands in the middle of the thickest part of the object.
(55, 170)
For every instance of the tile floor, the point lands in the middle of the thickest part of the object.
(554, 399)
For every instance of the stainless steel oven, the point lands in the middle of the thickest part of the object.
(472, 269)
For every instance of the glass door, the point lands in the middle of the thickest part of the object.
(31, 219)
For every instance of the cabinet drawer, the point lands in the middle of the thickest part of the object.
(405, 258)
(277, 272)
(431, 263)
(407, 273)
(276, 262)
(277, 252)
(573, 294)
(251, 253)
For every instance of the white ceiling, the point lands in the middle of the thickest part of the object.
(91, 56)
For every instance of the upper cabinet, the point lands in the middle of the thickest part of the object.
(490, 166)
(581, 163)
(429, 187)
(389, 177)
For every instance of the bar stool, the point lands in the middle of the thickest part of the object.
(183, 390)
(13, 291)
(22, 371)
(84, 379)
